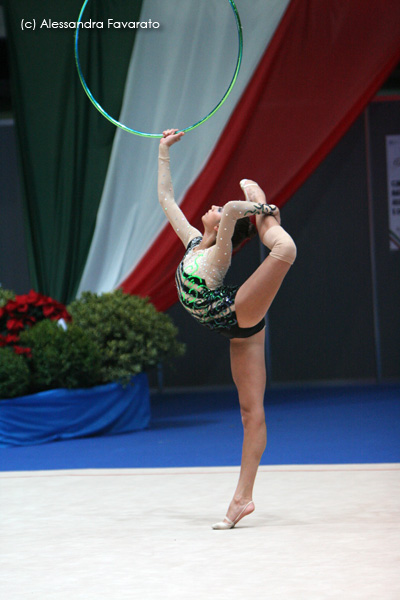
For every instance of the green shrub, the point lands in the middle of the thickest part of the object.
(14, 374)
(131, 334)
(5, 296)
(61, 359)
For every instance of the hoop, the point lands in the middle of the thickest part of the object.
(159, 135)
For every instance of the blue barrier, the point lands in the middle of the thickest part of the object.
(66, 414)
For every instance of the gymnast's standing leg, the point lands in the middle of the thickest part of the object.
(247, 355)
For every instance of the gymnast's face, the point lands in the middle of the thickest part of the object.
(212, 217)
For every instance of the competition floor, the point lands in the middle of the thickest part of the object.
(104, 528)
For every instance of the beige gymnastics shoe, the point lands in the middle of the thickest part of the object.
(228, 524)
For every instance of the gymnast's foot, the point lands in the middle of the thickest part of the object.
(254, 193)
(236, 511)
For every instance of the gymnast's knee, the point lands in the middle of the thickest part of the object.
(281, 244)
(252, 417)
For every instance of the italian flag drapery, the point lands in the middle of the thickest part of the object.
(309, 68)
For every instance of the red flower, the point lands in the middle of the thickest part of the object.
(15, 324)
(34, 296)
(41, 300)
(23, 312)
(11, 305)
(11, 338)
(22, 308)
(21, 350)
(48, 310)
(30, 298)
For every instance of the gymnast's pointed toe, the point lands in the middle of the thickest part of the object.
(228, 524)
(252, 191)
(244, 183)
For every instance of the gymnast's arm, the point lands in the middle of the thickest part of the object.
(232, 212)
(182, 227)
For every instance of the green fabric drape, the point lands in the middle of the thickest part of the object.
(64, 142)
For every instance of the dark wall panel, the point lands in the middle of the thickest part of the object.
(383, 120)
(13, 254)
(321, 322)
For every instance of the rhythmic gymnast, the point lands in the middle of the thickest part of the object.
(235, 312)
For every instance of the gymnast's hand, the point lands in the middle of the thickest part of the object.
(171, 137)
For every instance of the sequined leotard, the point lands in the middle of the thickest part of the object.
(214, 308)
(200, 275)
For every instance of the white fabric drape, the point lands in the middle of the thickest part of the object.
(177, 74)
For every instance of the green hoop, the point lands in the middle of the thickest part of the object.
(159, 135)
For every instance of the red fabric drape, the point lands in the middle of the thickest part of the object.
(323, 65)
